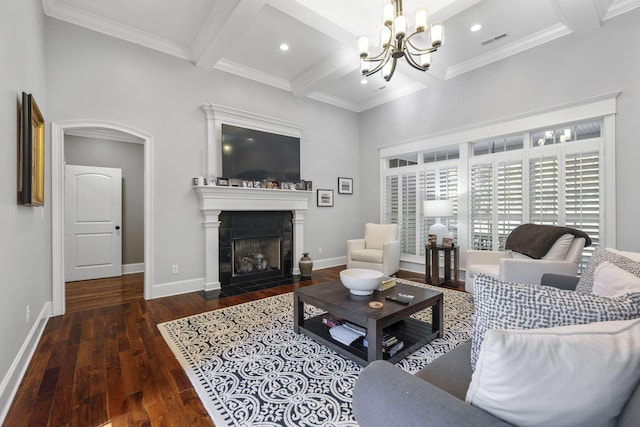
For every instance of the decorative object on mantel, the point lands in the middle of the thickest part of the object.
(222, 181)
(345, 185)
(397, 42)
(325, 198)
(199, 181)
(306, 265)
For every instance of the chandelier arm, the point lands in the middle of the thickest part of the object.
(393, 69)
(416, 48)
(379, 66)
(409, 57)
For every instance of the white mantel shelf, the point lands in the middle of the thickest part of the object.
(224, 198)
(215, 199)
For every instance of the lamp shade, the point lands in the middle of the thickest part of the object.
(438, 208)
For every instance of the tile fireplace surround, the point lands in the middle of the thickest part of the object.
(214, 200)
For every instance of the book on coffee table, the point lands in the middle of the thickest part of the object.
(387, 283)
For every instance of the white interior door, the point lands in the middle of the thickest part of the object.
(93, 217)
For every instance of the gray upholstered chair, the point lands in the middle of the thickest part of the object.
(379, 249)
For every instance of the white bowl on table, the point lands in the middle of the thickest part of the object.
(361, 281)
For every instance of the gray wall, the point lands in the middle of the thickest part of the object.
(568, 69)
(92, 76)
(25, 248)
(129, 157)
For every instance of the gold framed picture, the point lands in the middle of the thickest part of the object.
(30, 153)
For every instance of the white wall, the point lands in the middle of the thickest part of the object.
(92, 76)
(25, 248)
(569, 69)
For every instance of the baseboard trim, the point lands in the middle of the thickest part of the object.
(12, 380)
(176, 288)
(133, 268)
(329, 262)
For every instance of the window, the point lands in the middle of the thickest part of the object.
(548, 173)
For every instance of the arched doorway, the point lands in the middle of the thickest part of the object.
(58, 130)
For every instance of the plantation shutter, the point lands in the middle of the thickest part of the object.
(408, 219)
(481, 207)
(582, 195)
(509, 199)
(391, 200)
(544, 190)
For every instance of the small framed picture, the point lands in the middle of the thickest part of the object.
(222, 181)
(247, 184)
(325, 198)
(257, 183)
(432, 239)
(447, 242)
(345, 185)
(273, 184)
(308, 185)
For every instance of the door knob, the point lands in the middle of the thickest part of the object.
(117, 227)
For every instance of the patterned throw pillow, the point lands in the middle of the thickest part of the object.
(503, 305)
(585, 285)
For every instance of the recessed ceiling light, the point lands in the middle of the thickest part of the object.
(476, 27)
(364, 81)
(284, 47)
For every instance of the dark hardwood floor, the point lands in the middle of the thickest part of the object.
(104, 362)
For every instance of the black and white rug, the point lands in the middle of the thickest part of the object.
(250, 369)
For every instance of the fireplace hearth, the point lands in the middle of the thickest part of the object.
(254, 245)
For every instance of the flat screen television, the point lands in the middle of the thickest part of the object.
(250, 154)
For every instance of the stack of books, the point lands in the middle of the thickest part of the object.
(390, 344)
(387, 283)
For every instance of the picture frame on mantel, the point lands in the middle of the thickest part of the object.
(30, 153)
(345, 185)
(325, 198)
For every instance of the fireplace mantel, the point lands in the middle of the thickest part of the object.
(215, 199)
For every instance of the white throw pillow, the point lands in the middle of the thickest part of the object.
(579, 375)
(611, 281)
(558, 252)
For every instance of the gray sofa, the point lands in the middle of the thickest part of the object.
(385, 395)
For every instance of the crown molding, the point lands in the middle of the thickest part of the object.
(104, 134)
(95, 23)
(619, 7)
(537, 39)
(252, 74)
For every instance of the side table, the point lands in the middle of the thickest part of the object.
(432, 261)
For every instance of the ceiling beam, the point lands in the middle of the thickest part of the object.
(581, 16)
(221, 28)
(331, 67)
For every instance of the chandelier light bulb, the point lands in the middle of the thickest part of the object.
(385, 37)
(425, 60)
(400, 26)
(437, 34)
(421, 20)
(363, 46)
(364, 66)
(387, 14)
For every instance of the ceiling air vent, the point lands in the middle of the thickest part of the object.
(494, 39)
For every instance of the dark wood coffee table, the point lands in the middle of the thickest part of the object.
(393, 318)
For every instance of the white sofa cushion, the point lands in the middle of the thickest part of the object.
(579, 375)
(585, 285)
(611, 281)
(504, 305)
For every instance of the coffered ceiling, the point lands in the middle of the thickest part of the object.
(242, 37)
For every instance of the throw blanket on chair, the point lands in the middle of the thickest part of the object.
(535, 240)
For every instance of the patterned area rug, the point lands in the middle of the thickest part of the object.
(250, 369)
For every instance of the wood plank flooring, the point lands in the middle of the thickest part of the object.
(104, 363)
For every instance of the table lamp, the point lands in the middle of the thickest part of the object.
(438, 209)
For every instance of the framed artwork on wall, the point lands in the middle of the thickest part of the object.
(345, 185)
(30, 153)
(325, 198)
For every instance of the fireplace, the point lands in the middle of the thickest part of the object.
(217, 201)
(254, 245)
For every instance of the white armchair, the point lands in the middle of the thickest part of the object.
(509, 266)
(379, 250)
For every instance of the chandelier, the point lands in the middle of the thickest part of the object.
(397, 42)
